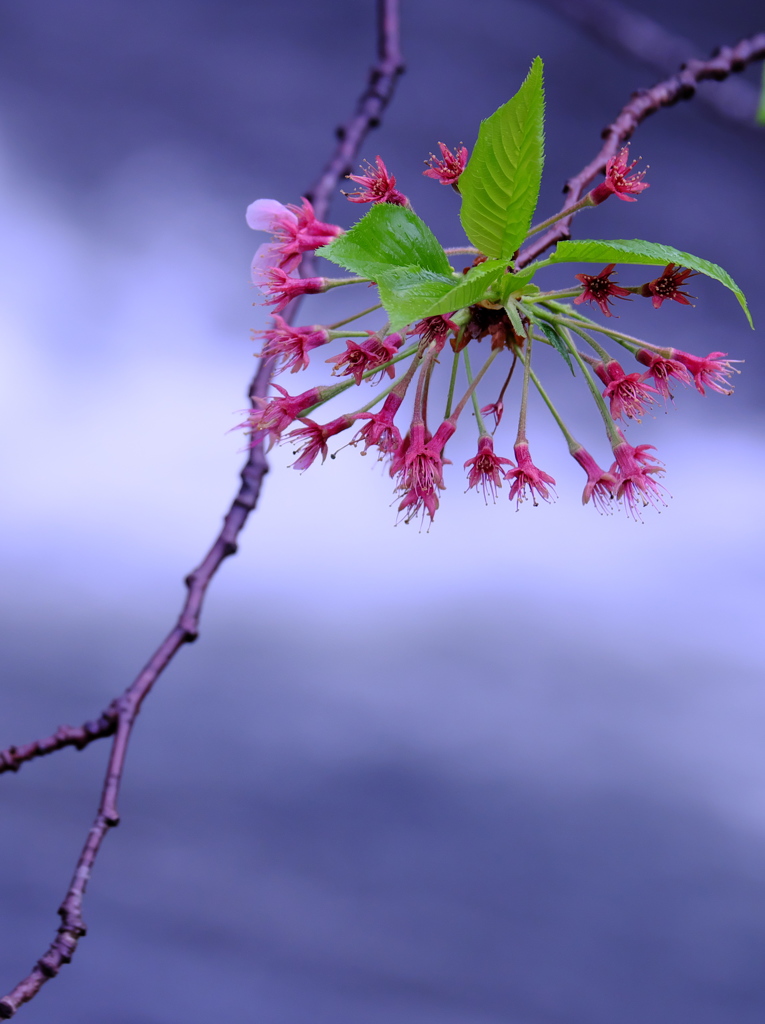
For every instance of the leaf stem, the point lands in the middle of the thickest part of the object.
(476, 408)
(535, 228)
(356, 316)
(453, 379)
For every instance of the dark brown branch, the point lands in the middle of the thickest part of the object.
(640, 37)
(682, 86)
(121, 714)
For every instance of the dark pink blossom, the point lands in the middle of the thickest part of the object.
(496, 409)
(662, 370)
(619, 180)
(377, 186)
(381, 432)
(360, 359)
(486, 467)
(600, 486)
(434, 329)
(527, 475)
(712, 370)
(419, 466)
(276, 414)
(627, 392)
(598, 288)
(312, 438)
(448, 169)
(295, 229)
(666, 286)
(280, 288)
(292, 343)
(633, 468)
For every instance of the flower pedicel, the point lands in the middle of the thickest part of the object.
(438, 317)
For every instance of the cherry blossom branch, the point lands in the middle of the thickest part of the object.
(624, 28)
(120, 716)
(681, 86)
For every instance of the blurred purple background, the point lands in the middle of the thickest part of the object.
(509, 771)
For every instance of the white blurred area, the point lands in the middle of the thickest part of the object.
(125, 355)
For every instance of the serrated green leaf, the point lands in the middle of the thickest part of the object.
(407, 293)
(514, 284)
(635, 250)
(387, 237)
(471, 289)
(557, 342)
(500, 184)
(515, 318)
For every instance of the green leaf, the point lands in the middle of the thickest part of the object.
(387, 237)
(408, 293)
(518, 283)
(513, 312)
(500, 184)
(634, 250)
(760, 117)
(557, 342)
(471, 289)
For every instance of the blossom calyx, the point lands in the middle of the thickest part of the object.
(663, 370)
(619, 180)
(295, 229)
(449, 167)
(378, 185)
(633, 469)
(712, 370)
(666, 287)
(486, 468)
(601, 485)
(598, 288)
(359, 359)
(528, 476)
(627, 393)
(292, 343)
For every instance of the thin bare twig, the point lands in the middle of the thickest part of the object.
(682, 86)
(120, 717)
(633, 33)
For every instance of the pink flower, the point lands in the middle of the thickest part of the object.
(485, 468)
(377, 186)
(434, 329)
(627, 392)
(600, 485)
(662, 370)
(381, 432)
(527, 475)
(313, 438)
(280, 288)
(619, 181)
(295, 229)
(712, 370)
(666, 287)
(419, 466)
(633, 468)
(359, 359)
(496, 409)
(451, 165)
(598, 288)
(276, 414)
(293, 343)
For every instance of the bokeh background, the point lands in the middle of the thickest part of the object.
(507, 771)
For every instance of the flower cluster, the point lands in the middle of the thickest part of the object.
(440, 316)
